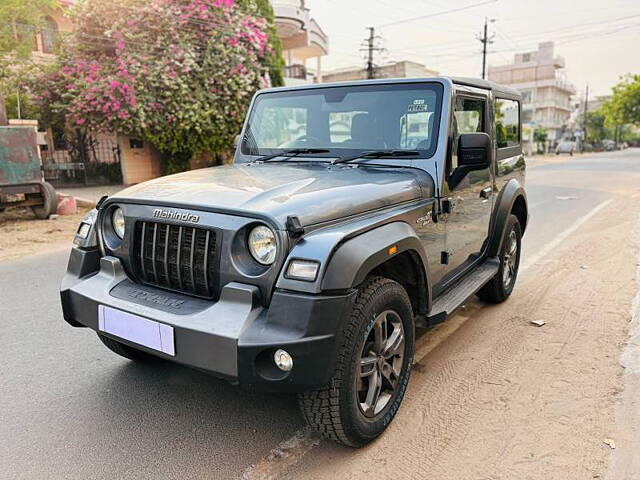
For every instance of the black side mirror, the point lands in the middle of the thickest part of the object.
(474, 153)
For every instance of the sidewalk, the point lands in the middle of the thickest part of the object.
(90, 194)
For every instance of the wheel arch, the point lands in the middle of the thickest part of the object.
(511, 200)
(393, 251)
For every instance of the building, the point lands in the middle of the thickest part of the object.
(540, 77)
(303, 42)
(401, 69)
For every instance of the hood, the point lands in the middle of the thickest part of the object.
(314, 192)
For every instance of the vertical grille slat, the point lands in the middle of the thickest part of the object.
(192, 260)
(206, 261)
(166, 255)
(153, 252)
(142, 261)
(176, 257)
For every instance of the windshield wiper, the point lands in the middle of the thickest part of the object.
(377, 154)
(290, 153)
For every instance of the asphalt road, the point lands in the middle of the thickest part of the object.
(69, 408)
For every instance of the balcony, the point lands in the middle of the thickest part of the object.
(301, 36)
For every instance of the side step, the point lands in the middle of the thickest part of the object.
(455, 296)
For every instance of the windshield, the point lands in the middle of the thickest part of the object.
(346, 120)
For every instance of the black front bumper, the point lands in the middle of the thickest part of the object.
(233, 338)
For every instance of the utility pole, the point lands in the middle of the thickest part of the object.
(485, 40)
(371, 48)
(584, 117)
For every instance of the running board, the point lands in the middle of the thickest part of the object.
(455, 296)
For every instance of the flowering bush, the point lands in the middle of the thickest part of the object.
(178, 73)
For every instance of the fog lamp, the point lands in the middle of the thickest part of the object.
(305, 270)
(283, 360)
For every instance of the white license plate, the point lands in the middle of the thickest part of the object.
(142, 331)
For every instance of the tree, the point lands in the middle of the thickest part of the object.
(20, 21)
(597, 130)
(177, 73)
(540, 136)
(274, 56)
(624, 105)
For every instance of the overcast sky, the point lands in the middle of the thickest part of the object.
(600, 40)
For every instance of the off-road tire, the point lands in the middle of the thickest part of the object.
(495, 290)
(128, 352)
(334, 411)
(50, 205)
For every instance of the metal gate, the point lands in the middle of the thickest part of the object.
(78, 159)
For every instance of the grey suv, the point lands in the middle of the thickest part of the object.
(353, 214)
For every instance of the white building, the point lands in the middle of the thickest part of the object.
(540, 77)
(303, 42)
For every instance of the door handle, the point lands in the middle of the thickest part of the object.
(486, 192)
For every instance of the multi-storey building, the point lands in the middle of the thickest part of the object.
(303, 42)
(540, 77)
(402, 69)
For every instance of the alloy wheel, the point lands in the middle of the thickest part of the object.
(381, 362)
(509, 260)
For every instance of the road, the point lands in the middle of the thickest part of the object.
(69, 408)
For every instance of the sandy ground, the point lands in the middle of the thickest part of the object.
(22, 234)
(502, 398)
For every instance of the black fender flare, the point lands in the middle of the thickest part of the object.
(512, 192)
(355, 258)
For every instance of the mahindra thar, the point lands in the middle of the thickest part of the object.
(353, 214)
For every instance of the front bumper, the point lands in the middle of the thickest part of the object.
(233, 338)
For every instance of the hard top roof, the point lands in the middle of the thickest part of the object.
(466, 81)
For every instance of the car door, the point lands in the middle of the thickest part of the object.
(467, 206)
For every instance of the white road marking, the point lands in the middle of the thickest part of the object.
(546, 250)
(289, 452)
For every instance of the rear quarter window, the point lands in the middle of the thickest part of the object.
(507, 123)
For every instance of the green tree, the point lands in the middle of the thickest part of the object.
(274, 57)
(540, 136)
(624, 105)
(597, 130)
(20, 21)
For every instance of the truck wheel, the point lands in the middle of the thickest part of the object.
(372, 370)
(128, 352)
(50, 200)
(501, 285)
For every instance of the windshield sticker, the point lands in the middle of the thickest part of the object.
(418, 105)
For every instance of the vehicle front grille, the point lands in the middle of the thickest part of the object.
(176, 257)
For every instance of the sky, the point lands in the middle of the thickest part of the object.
(600, 40)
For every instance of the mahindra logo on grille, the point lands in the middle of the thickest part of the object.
(171, 215)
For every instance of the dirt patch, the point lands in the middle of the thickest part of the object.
(22, 234)
(501, 398)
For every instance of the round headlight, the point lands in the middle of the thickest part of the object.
(262, 244)
(117, 220)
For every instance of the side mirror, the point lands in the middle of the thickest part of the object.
(236, 142)
(474, 153)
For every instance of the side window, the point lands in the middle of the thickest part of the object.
(468, 117)
(507, 123)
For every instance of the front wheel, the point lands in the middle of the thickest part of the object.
(372, 371)
(501, 285)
